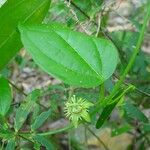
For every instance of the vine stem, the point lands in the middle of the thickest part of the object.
(136, 50)
(66, 128)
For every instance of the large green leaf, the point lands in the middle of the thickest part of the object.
(73, 57)
(25, 108)
(5, 96)
(11, 13)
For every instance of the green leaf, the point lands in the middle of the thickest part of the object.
(35, 113)
(44, 142)
(11, 13)
(10, 145)
(105, 114)
(41, 119)
(25, 108)
(84, 4)
(73, 57)
(5, 96)
(37, 146)
(121, 130)
(146, 128)
(6, 134)
(2, 2)
(142, 145)
(135, 113)
(110, 104)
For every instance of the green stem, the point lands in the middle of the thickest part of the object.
(56, 131)
(136, 50)
(102, 92)
(2, 145)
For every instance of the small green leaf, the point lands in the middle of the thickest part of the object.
(37, 146)
(110, 104)
(5, 96)
(5, 134)
(10, 145)
(135, 113)
(25, 108)
(35, 113)
(11, 13)
(73, 57)
(44, 142)
(121, 130)
(146, 127)
(41, 119)
(105, 114)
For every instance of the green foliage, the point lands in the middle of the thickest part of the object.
(41, 119)
(5, 134)
(10, 145)
(146, 128)
(82, 63)
(121, 130)
(5, 96)
(13, 12)
(44, 142)
(25, 108)
(107, 72)
(105, 114)
(110, 104)
(85, 5)
(135, 113)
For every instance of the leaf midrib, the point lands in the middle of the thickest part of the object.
(78, 55)
(59, 63)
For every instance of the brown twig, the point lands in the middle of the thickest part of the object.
(21, 91)
(100, 141)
